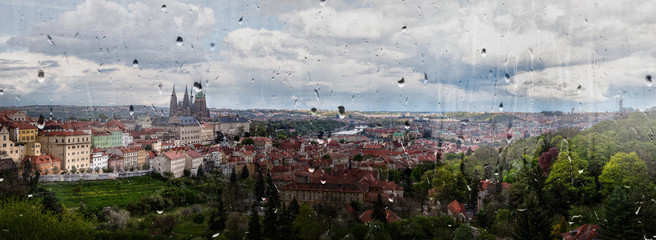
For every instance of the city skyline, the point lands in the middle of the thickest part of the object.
(453, 56)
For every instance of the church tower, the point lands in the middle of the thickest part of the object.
(200, 106)
(186, 107)
(173, 107)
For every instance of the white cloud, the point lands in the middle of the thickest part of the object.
(107, 32)
(357, 50)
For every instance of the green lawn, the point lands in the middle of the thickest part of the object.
(105, 193)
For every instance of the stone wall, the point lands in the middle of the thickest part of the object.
(92, 176)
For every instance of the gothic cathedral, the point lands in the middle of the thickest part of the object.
(185, 108)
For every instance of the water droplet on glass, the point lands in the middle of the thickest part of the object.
(425, 76)
(216, 235)
(28, 195)
(314, 111)
(407, 124)
(50, 41)
(509, 137)
(40, 76)
(507, 78)
(131, 110)
(501, 107)
(483, 52)
(579, 89)
(160, 211)
(648, 80)
(179, 41)
(212, 46)
(41, 123)
(390, 199)
(580, 171)
(323, 182)
(316, 92)
(2, 92)
(311, 170)
(342, 112)
(241, 20)
(135, 63)
(2, 179)
(401, 82)
(322, 3)
(160, 88)
(164, 8)
(197, 87)
(18, 98)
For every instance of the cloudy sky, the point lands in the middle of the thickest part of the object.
(452, 55)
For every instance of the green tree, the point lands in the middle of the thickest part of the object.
(358, 157)
(294, 208)
(286, 222)
(272, 192)
(165, 223)
(621, 221)
(102, 116)
(464, 232)
(200, 173)
(248, 141)
(447, 185)
(624, 170)
(378, 213)
(531, 221)
(259, 187)
(30, 176)
(254, 226)
(270, 223)
(236, 226)
(233, 176)
(217, 221)
(569, 180)
(24, 219)
(244, 173)
(307, 224)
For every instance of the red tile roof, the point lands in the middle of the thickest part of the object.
(391, 216)
(41, 159)
(22, 125)
(583, 232)
(131, 149)
(174, 154)
(193, 154)
(62, 133)
(328, 187)
(486, 183)
(456, 208)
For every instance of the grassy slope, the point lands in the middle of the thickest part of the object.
(105, 193)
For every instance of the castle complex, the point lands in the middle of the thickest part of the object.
(188, 107)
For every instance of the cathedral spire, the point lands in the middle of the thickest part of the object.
(173, 107)
(186, 105)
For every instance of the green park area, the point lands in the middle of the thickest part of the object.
(105, 193)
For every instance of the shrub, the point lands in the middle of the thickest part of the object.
(117, 220)
(21, 219)
(199, 218)
(164, 223)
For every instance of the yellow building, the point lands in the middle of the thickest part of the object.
(73, 148)
(23, 132)
(8, 148)
(32, 149)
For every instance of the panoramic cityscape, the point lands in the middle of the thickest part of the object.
(326, 120)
